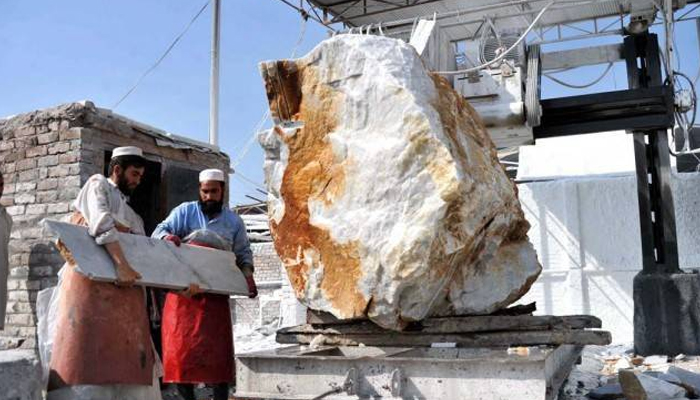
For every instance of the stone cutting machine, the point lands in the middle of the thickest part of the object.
(498, 53)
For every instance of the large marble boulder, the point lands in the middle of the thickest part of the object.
(386, 197)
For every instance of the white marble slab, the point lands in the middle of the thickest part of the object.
(160, 263)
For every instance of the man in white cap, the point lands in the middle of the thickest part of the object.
(196, 329)
(5, 228)
(102, 347)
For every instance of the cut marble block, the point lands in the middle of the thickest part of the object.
(160, 263)
(386, 197)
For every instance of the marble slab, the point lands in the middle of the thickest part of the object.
(160, 263)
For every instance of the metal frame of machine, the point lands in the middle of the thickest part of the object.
(506, 90)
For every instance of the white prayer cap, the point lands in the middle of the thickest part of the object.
(212, 175)
(127, 151)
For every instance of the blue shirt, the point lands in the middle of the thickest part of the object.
(188, 217)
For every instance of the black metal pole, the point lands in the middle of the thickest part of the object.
(656, 213)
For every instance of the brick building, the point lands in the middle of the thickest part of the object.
(46, 156)
(276, 304)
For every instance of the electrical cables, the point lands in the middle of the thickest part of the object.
(162, 57)
(581, 86)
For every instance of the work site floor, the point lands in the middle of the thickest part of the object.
(591, 374)
(599, 364)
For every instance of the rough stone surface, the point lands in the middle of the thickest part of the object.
(688, 378)
(386, 199)
(645, 387)
(655, 360)
(667, 313)
(20, 375)
(607, 392)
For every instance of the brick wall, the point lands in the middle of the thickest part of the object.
(275, 300)
(268, 266)
(40, 155)
(45, 157)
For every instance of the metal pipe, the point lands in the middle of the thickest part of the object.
(454, 14)
(214, 80)
(697, 38)
(668, 10)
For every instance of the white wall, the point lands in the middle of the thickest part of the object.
(586, 232)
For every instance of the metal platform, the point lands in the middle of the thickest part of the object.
(459, 19)
(341, 373)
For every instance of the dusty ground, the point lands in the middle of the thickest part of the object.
(246, 340)
(590, 373)
(598, 363)
(599, 366)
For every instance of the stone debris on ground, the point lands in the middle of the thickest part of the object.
(201, 392)
(248, 340)
(607, 392)
(20, 375)
(615, 372)
(597, 377)
(642, 386)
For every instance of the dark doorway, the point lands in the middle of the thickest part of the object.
(145, 199)
(182, 185)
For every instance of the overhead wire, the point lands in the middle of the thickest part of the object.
(684, 123)
(682, 120)
(581, 86)
(506, 52)
(249, 181)
(162, 57)
(694, 95)
(249, 143)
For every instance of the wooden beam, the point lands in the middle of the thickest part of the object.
(322, 317)
(486, 339)
(520, 309)
(457, 325)
(508, 323)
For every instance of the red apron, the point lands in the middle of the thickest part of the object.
(102, 333)
(197, 339)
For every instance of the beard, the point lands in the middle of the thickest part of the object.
(123, 185)
(211, 207)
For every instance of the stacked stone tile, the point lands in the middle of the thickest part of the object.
(270, 279)
(268, 266)
(45, 158)
(275, 293)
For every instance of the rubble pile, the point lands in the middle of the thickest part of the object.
(616, 373)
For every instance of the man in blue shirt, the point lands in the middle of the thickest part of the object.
(196, 328)
(209, 213)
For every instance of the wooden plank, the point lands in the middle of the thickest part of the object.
(160, 263)
(508, 323)
(520, 309)
(486, 339)
(444, 325)
(322, 317)
(325, 318)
